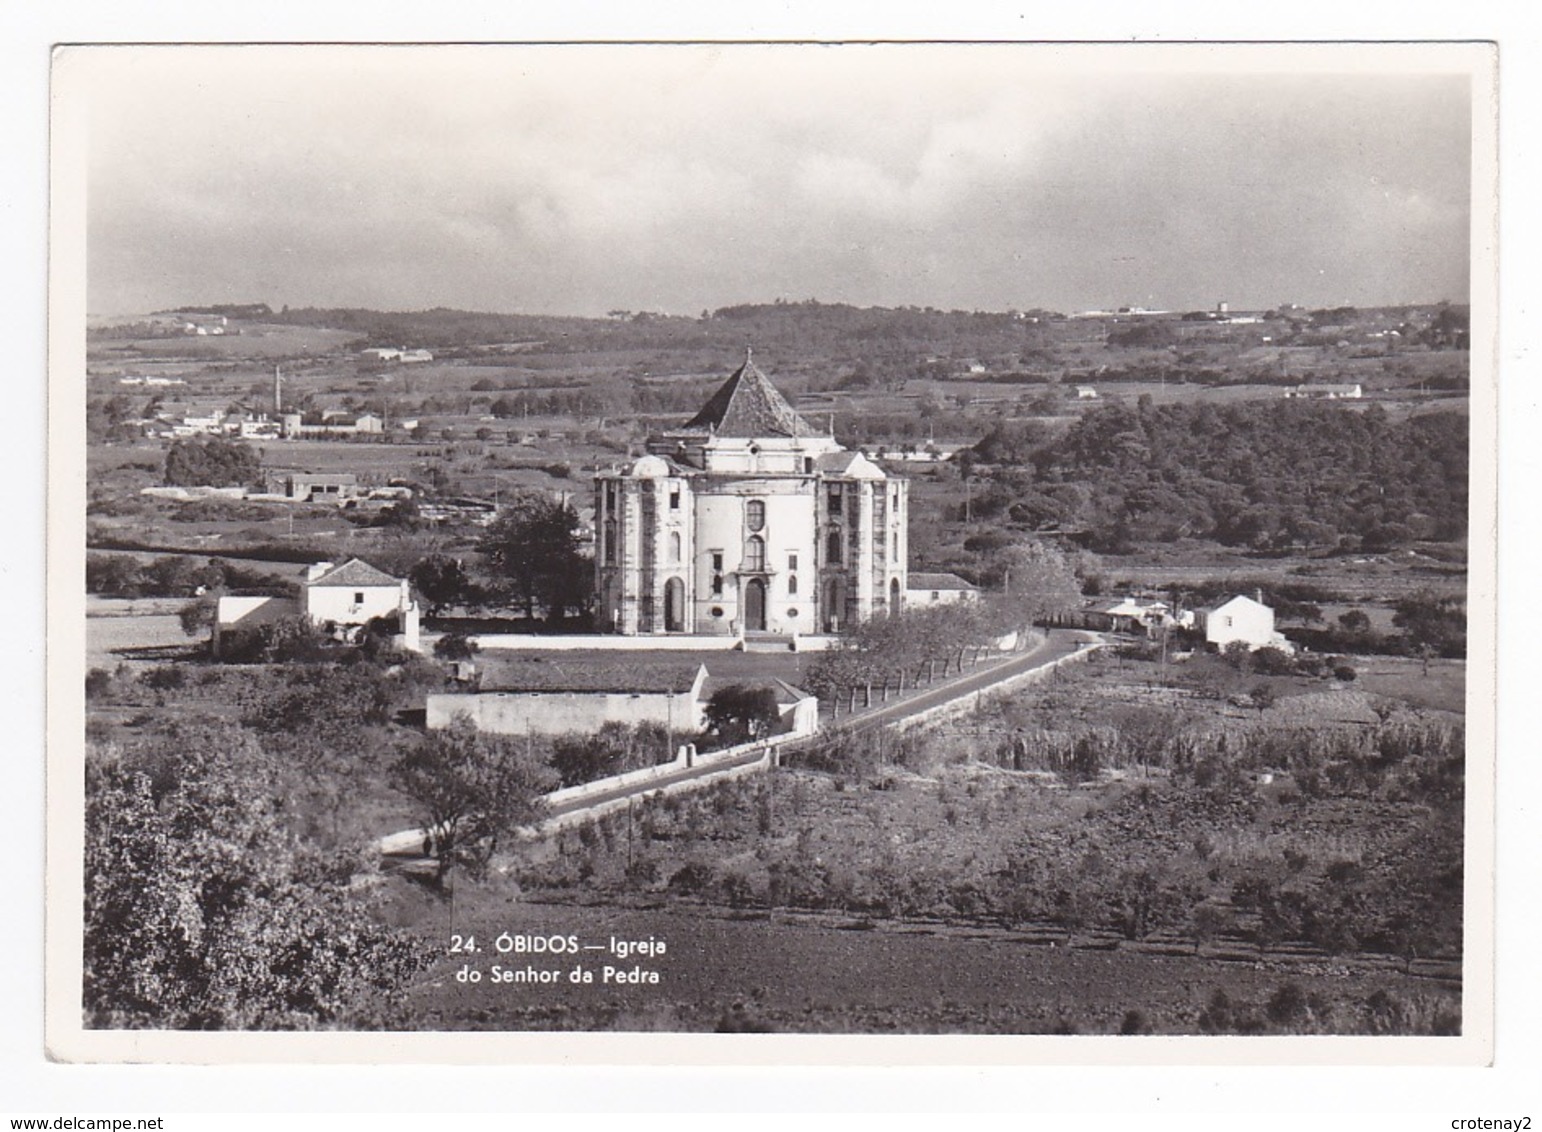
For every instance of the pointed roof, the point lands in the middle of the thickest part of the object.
(355, 572)
(748, 406)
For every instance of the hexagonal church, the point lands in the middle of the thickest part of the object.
(747, 520)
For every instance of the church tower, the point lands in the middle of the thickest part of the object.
(747, 521)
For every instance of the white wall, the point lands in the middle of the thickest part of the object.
(556, 713)
(1240, 620)
(338, 604)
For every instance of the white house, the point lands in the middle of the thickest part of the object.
(356, 593)
(747, 520)
(341, 599)
(1242, 619)
(939, 589)
(552, 698)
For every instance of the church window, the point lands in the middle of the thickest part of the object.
(808, 465)
(717, 585)
(674, 546)
(717, 561)
(833, 548)
(833, 495)
(674, 500)
(792, 584)
(755, 514)
(896, 544)
(792, 563)
(610, 542)
(755, 553)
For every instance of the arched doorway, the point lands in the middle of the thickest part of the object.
(674, 606)
(834, 605)
(755, 605)
(894, 597)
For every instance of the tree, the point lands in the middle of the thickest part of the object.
(1036, 581)
(739, 713)
(1437, 621)
(211, 462)
(443, 581)
(1355, 621)
(197, 616)
(201, 911)
(534, 548)
(614, 749)
(455, 646)
(469, 789)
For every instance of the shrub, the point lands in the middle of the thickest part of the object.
(455, 646)
(98, 683)
(165, 678)
(1344, 673)
(1288, 1005)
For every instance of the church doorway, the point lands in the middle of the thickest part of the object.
(755, 605)
(674, 606)
(835, 605)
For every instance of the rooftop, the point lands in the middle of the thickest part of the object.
(535, 674)
(921, 581)
(748, 405)
(355, 572)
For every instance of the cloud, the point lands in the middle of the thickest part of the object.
(582, 179)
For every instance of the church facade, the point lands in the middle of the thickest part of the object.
(747, 520)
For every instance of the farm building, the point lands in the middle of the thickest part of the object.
(746, 520)
(550, 698)
(939, 589)
(315, 487)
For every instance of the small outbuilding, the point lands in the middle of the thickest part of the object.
(923, 589)
(551, 697)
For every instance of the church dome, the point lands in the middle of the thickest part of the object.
(650, 468)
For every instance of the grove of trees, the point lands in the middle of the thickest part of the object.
(212, 461)
(1264, 474)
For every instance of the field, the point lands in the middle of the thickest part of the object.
(726, 970)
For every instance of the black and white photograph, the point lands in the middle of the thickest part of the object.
(774, 539)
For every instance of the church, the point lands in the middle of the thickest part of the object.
(747, 520)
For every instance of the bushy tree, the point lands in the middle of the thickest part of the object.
(202, 913)
(443, 581)
(455, 646)
(533, 550)
(1434, 621)
(615, 749)
(740, 713)
(469, 790)
(1036, 581)
(211, 461)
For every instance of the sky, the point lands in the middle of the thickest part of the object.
(584, 179)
